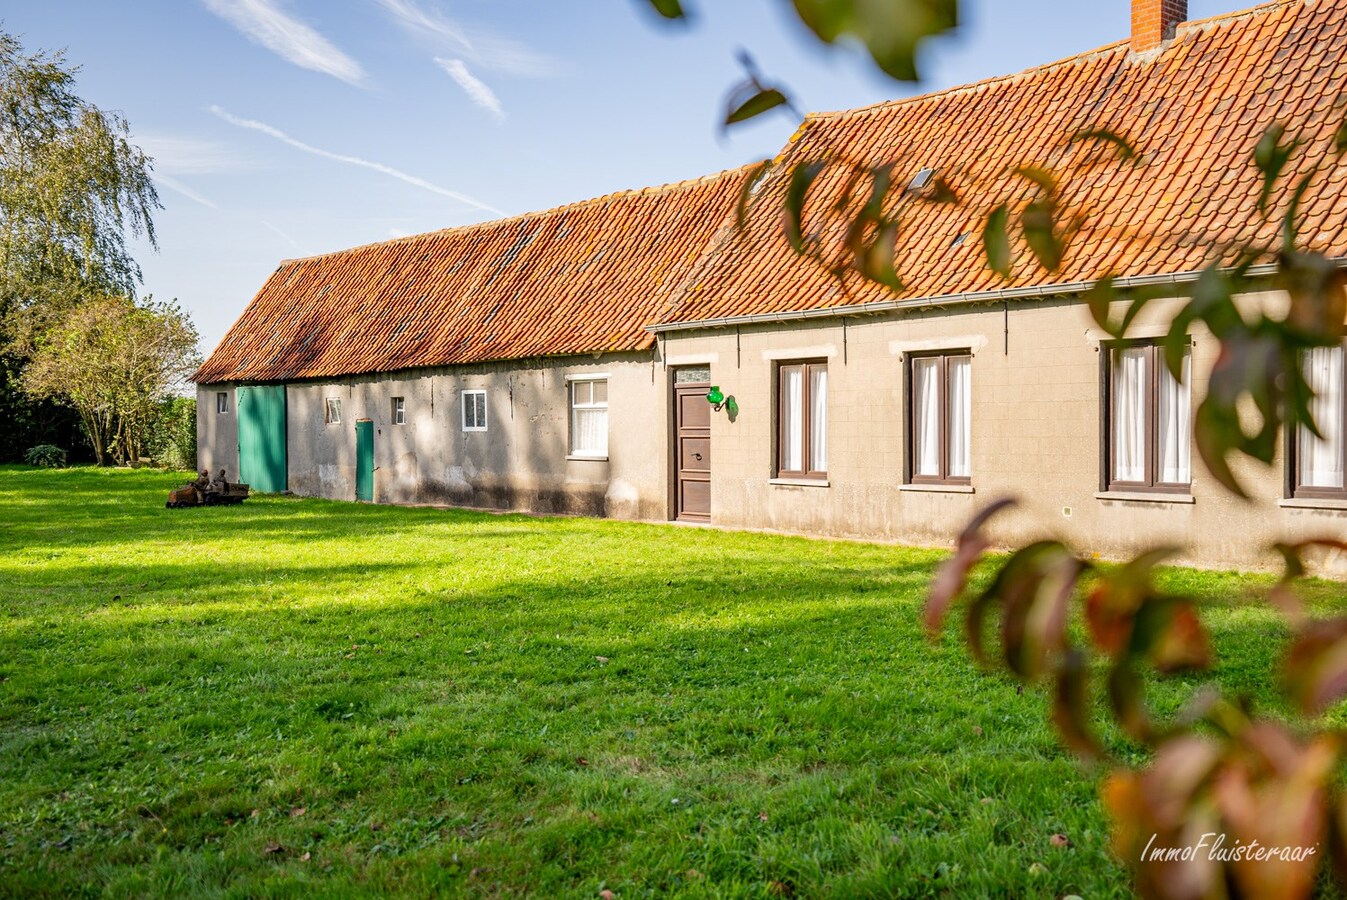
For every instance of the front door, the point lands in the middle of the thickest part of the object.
(364, 460)
(261, 418)
(692, 452)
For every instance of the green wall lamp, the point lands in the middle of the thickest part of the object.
(716, 397)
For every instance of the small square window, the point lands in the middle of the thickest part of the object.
(399, 411)
(332, 414)
(222, 403)
(474, 410)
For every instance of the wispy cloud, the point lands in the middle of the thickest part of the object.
(192, 156)
(391, 172)
(178, 187)
(289, 240)
(264, 22)
(476, 89)
(486, 49)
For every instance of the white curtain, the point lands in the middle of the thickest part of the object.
(1176, 418)
(792, 419)
(1321, 459)
(818, 419)
(926, 417)
(1129, 414)
(960, 416)
(589, 418)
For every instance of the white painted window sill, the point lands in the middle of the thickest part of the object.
(1311, 503)
(574, 458)
(800, 482)
(938, 488)
(1144, 497)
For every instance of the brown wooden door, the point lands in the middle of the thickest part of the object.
(692, 453)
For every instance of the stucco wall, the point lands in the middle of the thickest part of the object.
(217, 434)
(519, 462)
(1036, 434)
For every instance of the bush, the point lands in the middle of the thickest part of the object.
(172, 439)
(47, 456)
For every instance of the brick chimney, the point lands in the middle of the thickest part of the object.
(1154, 21)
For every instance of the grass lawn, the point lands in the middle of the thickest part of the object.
(309, 698)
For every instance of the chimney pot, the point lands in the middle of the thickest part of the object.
(1154, 22)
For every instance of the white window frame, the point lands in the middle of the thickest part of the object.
(398, 411)
(221, 403)
(572, 383)
(464, 410)
(332, 411)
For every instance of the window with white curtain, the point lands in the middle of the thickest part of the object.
(802, 420)
(589, 418)
(1150, 420)
(1318, 459)
(940, 404)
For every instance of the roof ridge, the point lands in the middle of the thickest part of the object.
(1184, 27)
(668, 187)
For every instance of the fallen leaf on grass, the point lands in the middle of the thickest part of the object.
(606, 894)
(272, 848)
(581, 761)
(298, 811)
(603, 660)
(306, 857)
(762, 817)
(1059, 840)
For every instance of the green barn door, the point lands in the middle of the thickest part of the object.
(261, 416)
(364, 460)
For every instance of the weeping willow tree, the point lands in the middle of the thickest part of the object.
(73, 190)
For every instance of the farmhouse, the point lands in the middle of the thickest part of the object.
(848, 410)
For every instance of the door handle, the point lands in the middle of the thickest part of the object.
(696, 456)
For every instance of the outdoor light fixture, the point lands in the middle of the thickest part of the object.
(715, 397)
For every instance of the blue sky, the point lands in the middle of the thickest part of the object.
(284, 128)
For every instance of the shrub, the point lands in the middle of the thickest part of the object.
(47, 456)
(172, 438)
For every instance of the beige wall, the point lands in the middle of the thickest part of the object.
(1035, 435)
(217, 434)
(520, 461)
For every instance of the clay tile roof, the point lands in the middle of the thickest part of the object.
(1193, 110)
(583, 278)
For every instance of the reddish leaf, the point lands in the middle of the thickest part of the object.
(1071, 707)
(952, 578)
(1315, 668)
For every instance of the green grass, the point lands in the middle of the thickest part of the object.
(304, 698)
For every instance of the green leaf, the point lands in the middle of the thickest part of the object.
(996, 241)
(801, 178)
(1271, 157)
(747, 191)
(1071, 706)
(1099, 299)
(1340, 139)
(1038, 221)
(758, 102)
(876, 259)
(950, 581)
(669, 9)
(1103, 135)
(890, 30)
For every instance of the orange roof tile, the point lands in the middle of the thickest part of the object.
(1193, 110)
(583, 278)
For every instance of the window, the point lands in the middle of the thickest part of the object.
(1149, 425)
(1318, 461)
(222, 403)
(589, 418)
(802, 420)
(940, 413)
(332, 415)
(398, 414)
(474, 410)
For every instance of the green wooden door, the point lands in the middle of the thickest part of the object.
(262, 456)
(364, 460)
